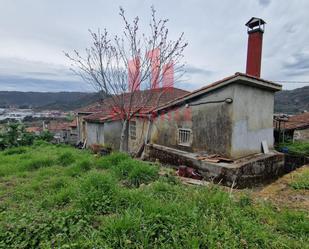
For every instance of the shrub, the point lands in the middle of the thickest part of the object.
(46, 136)
(15, 135)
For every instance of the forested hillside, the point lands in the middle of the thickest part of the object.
(47, 100)
(287, 101)
(292, 101)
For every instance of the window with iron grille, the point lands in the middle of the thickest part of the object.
(133, 130)
(184, 137)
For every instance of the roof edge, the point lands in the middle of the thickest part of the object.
(258, 82)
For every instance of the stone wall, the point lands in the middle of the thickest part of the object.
(249, 172)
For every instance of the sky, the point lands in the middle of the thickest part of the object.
(35, 33)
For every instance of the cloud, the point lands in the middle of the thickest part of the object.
(34, 33)
(190, 69)
(264, 2)
(300, 62)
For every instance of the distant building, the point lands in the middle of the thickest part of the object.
(36, 130)
(294, 127)
(60, 130)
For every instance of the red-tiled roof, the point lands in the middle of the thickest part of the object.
(34, 129)
(149, 99)
(58, 126)
(299, 121)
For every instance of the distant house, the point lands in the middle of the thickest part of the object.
(36, 130)
(294, 127)
(61, 131)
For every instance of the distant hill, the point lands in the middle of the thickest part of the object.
(292, 101)
(47, 100)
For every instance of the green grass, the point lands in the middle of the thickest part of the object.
(301, 181)
(59, 197)
(297, 148)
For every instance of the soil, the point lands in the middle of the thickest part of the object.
(282, 194)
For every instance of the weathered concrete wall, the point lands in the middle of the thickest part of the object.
(112, 133)
(211, 124)
(95, 133)
(252, 120)
(301, 135)
(141, 131)
(104, 133)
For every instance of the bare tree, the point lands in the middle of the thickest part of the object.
(123, 67)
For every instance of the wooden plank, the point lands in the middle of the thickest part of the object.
(193, 181)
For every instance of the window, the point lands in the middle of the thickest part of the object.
(184, 137)
(133, 130)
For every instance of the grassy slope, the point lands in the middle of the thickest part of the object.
(58, 196)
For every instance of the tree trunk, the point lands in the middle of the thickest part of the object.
(123, 137)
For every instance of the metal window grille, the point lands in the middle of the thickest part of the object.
(184, 136)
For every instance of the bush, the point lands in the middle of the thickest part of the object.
(46, 136)
(15, 135)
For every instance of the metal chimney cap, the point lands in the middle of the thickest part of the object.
(254, 22)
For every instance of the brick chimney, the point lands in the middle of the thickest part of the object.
(255, 39)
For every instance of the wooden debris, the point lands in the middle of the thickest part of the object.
(215, 158)
(191, 181)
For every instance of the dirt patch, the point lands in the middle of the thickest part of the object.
(281, 193)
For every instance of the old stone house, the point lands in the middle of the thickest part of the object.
(231, 117)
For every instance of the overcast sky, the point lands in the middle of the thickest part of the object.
(34, 34)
